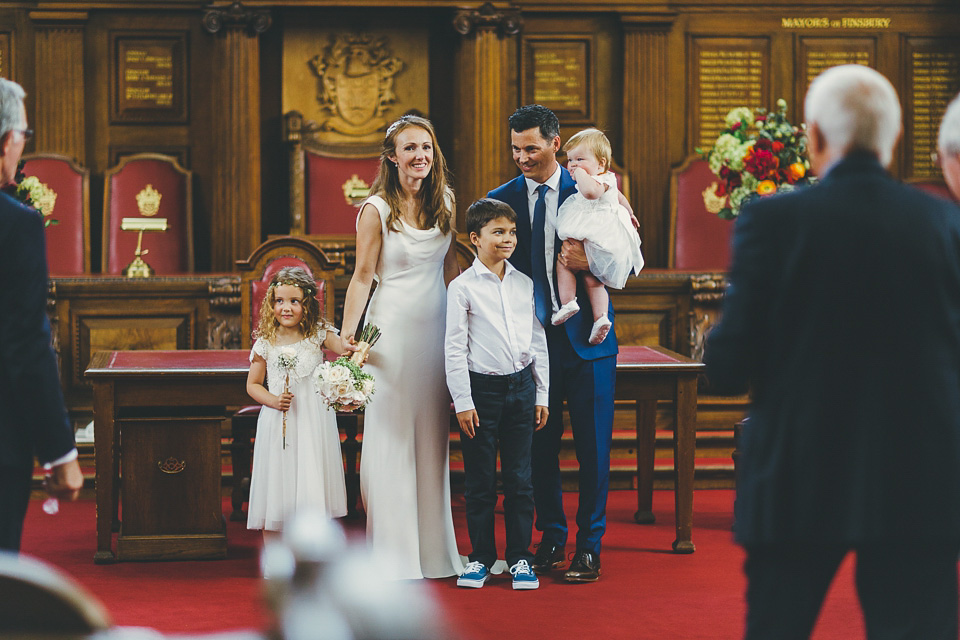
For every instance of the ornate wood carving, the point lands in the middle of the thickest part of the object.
(60, 120)
(707, 290)
(508, 21)
(223, 325)
(236, 16)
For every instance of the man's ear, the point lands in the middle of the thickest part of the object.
(474, 239)
(816, 143)
(555, 144)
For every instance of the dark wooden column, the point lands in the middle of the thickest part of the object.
(645, 127)
(485, 66)
(235, 216)
(59, 114)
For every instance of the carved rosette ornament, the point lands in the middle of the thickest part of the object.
(508, 20)
(256, 21)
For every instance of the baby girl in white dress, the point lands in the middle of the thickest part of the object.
(600, 217)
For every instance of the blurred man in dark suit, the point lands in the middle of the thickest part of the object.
(842, 315)
(33, 418)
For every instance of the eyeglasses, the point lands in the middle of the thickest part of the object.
(27, 133)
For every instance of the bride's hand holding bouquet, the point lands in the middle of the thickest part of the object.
(343, 384)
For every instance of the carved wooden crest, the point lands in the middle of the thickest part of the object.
(355, 84)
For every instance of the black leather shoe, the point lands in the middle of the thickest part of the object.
(584, 568)
(548, 556)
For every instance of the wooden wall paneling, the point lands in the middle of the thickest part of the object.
(6, 53)
(59, 118)
(108, 313)
(646, 122)
(484, 99)
(186, 138)
(654, 309)
(931, 78)
(235, 208)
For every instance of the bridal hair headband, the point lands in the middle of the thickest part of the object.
(396, 123)
(309, 290)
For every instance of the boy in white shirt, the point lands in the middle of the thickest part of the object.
(497, 373)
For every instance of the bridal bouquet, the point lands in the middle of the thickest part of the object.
(758, 154)
(343, 384)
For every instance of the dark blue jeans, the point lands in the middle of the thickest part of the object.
(506, 407)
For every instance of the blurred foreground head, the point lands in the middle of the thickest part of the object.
(851, 108)
(319, 587)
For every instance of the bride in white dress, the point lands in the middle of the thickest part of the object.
(405, 240)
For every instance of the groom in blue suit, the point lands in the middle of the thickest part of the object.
(580, 373)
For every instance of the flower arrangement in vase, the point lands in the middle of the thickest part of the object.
(759, 153)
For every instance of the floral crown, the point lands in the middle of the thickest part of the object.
(309, 289)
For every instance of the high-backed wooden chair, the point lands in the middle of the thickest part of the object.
(39, 601)
(255, 275)
(67, 186)
(155, 186)
(699, 240)
(327, 183)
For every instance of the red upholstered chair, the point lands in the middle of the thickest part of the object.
(699, 240)
(148, 185)
(255, 275)
(68, 241)
(936, 186)
(327, 183)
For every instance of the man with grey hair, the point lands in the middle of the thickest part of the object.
(842, 317)
(948, 147)
(33, 418)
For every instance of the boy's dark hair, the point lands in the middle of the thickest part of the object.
(484, 210)
(535, 115)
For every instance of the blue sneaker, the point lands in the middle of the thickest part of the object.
(474, 575)
(523, 576)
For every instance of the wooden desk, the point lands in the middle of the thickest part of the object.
(131, 385)
(186, 381)
(646, 375)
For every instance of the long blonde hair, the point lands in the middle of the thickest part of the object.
(312, 316)
(435, 198)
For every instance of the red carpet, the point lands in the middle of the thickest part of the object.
(646, 591)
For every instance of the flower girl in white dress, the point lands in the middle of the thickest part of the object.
(596, 215)
(296, 456)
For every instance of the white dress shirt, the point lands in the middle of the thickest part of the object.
(492, 328)
(549, 222)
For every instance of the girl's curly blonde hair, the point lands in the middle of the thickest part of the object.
(312, 316)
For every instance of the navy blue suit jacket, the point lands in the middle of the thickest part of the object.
(842, 314)
(514, 193)
(33, 418)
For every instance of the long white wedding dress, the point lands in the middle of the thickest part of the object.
(404, 462)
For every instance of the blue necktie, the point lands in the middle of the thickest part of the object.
(541, 286)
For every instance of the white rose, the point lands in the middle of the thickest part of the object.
(338, 373)
(368, 387)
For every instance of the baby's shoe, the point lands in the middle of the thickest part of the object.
(600, 330)
(565, 312)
